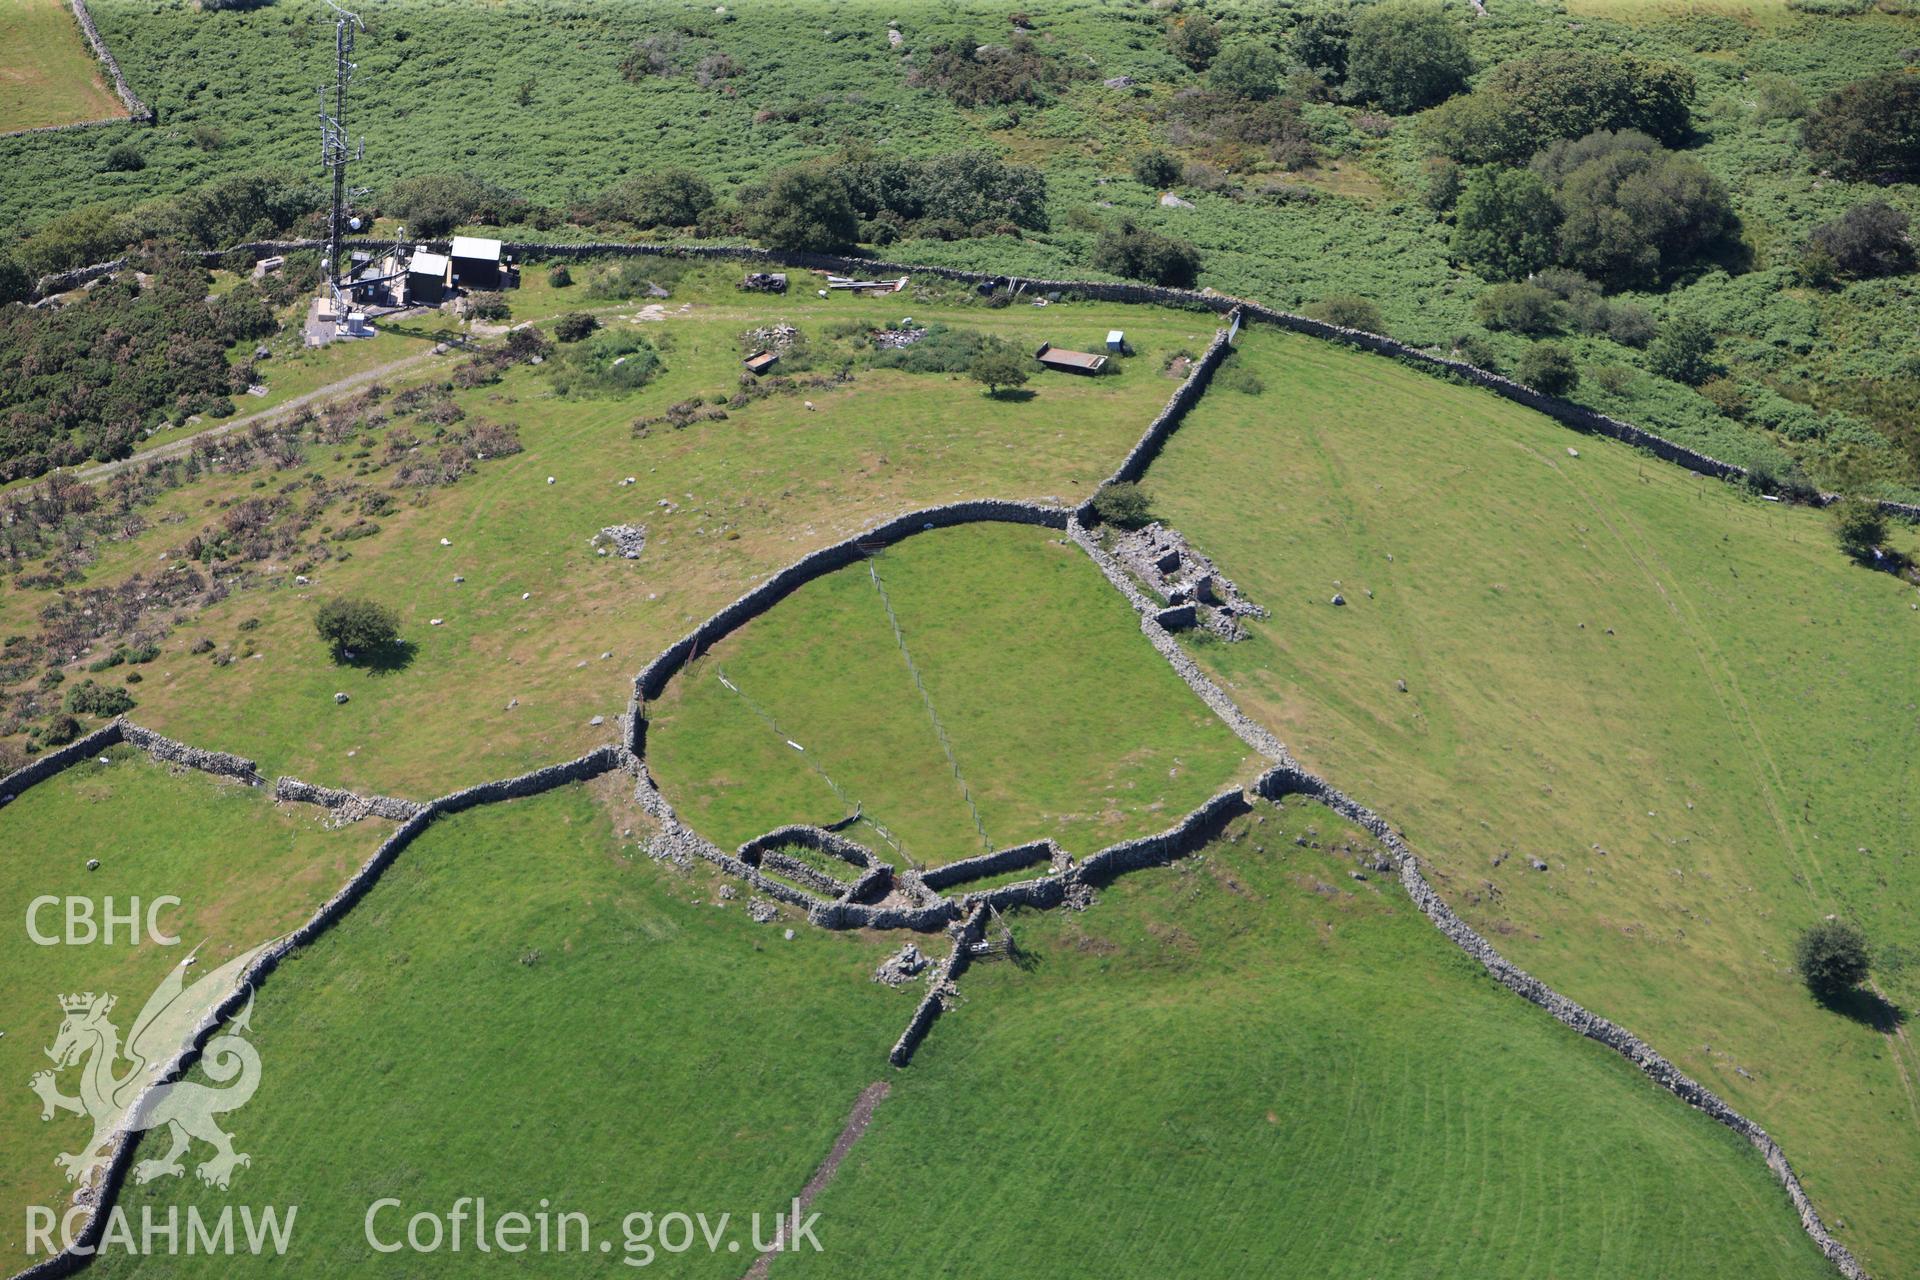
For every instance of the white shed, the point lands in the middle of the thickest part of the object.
(1116, 341)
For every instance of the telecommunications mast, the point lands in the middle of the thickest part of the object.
(336, 151)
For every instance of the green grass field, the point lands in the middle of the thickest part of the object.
(1686, 701)
(1250, 1065)
(526, 1009)
(751, 494)
(47, 73)
(244, 869)
(1063, 720)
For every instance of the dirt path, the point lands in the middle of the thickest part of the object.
(176, 448)
(857, 1121)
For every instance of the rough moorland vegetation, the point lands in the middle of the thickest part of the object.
(1702, 166)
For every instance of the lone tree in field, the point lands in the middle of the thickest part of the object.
(356, 625)
(1832, 958)
(1000, 366)
(1860, 526)
(1124, 504)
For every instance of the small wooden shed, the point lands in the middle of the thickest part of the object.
(1069, 361)
(761, 361)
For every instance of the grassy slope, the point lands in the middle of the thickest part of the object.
(1064, 721)
(767, 485)
(661, 1053)
(1603, 653)
(244, 869)
(47, 74)
(1235, 1068)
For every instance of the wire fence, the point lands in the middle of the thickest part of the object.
(926, 700)
(840, 792)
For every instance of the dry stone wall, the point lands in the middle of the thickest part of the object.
(941, 988)
(1633, 1049)
(807, 836)
(966, 920)
(167, 751)
(990, 864)
(37, 771)
(347, 806)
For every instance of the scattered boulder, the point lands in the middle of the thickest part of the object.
(761, 910)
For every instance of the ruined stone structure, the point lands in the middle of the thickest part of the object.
(1196, 592)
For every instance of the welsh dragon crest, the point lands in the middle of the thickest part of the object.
(118, 1090)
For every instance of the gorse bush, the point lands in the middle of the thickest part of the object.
(1349, 311)
(1156, 169)
(1128, 249)
(974, 74)
(670, 197)
(1125, 505)
(90, 699)
(1547, 367)
(1520, 308)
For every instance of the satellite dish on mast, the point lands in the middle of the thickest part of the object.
(354, 223)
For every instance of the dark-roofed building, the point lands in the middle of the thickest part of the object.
(426, 278)
(477, 263)
(1069, 361)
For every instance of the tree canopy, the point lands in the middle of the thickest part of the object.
(355, 625)
(1528, 103)
(1868, 129)
(1407, 55)
(1832, 958)
(660, 198)
(1630, 210)
(1870, 239)
(1504, 223)
(1127, 249)
(804, 208)
(1251, 70)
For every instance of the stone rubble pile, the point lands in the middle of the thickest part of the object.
(1197, 593)
(902, 967)
(627, 540)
